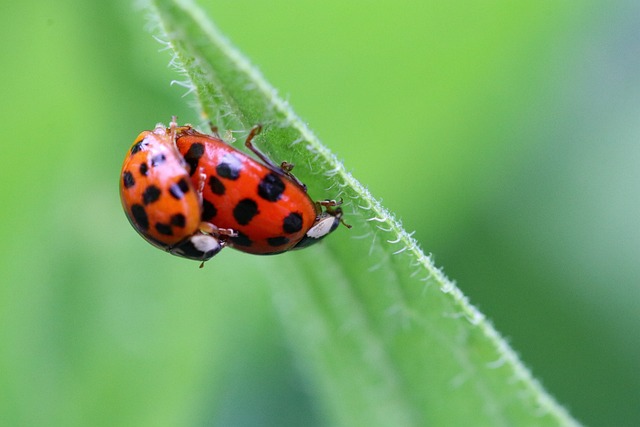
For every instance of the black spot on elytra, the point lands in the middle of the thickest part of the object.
(244, 211)
(208, 210)
(157, 160)
(277, 241)
(192, 156)
(178, 220)
(140, 216)
(292, 223)
(128, 180)
(137, 147)
(241, 240)
(271, 187)
(164, 229)
(150, 195)
(217, 187)
(229, 167)
(179, 189)
(143, 169)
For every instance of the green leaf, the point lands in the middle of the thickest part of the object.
(382, 336)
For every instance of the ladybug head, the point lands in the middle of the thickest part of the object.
(325, 223)
(198, 247)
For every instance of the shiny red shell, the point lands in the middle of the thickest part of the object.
(159, 199)
(156, 190)
(269, 211)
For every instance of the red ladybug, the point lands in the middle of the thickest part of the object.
(267, 208)
(160, 201)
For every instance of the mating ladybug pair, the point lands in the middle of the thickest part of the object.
(192, 194)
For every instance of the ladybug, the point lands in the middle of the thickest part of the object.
(264, 204)
(160, 201)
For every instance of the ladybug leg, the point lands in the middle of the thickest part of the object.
(284, 168)
(214, 130)
(329, 202)
(287, 167)
(229, 232)
(209, 228)
(249, 144)
(332, 207)
(202, 178)
(329, 205)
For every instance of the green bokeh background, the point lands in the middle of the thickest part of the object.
(506, 134)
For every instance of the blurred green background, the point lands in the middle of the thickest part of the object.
(506, 134)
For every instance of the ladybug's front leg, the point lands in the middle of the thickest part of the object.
(202, 178)
(207, 227)
(214, 230)
(331, 207)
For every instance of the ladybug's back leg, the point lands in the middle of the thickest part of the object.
(284, 168)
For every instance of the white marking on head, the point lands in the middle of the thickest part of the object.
(205, 243)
